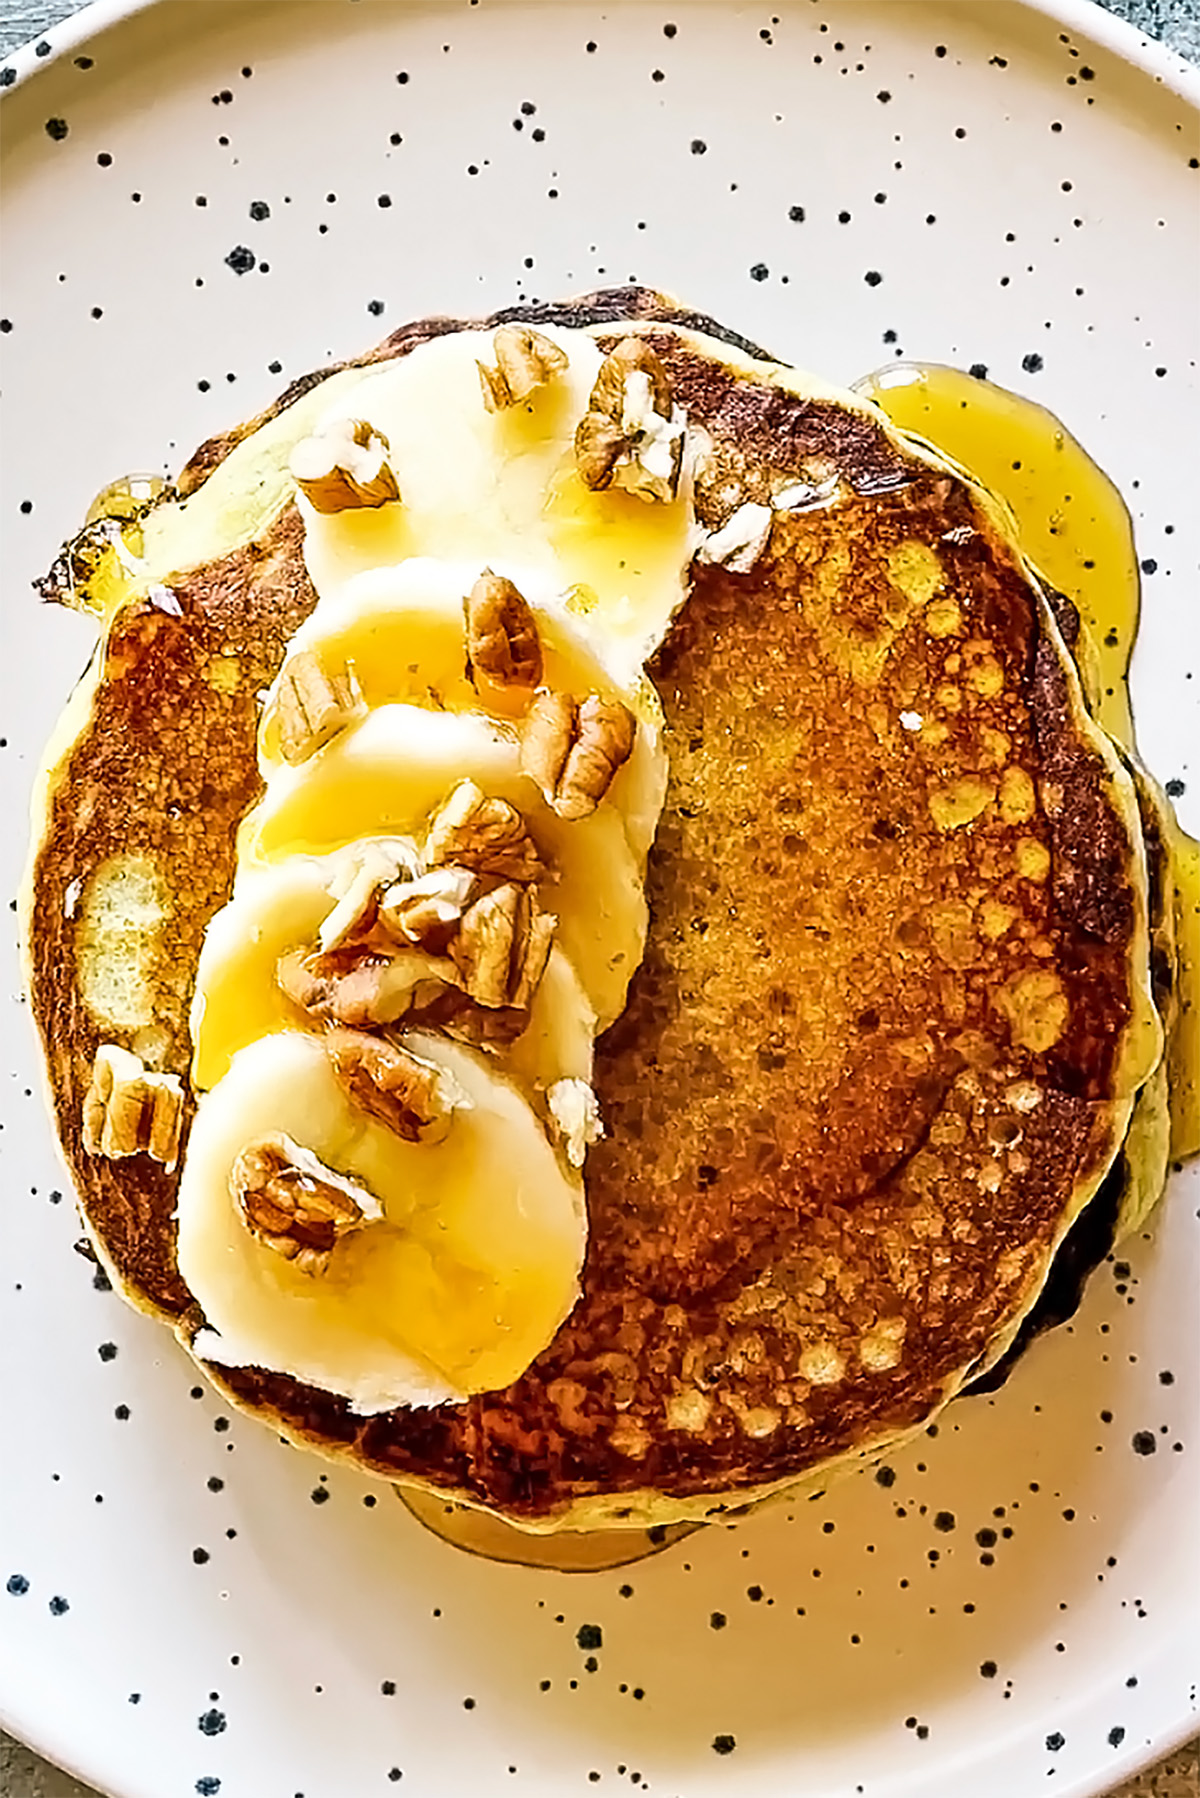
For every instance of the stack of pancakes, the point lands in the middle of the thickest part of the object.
(891, 1075)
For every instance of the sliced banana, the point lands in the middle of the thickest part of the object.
(318, 1239)
(480, 485)
(401, 629)
(281, 907)
(467, 1276)
(387, 774)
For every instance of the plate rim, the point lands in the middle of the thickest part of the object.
(1084, 18)
(1088, 18)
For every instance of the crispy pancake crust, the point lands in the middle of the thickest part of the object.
(846, 1134)
(164, 771)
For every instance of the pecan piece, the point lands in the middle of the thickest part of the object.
(573, 751)
(344, 466)
(504, 651)
(600, 443)
(426, 912)
(740, 541)
(296, 1205)
(389, 1084)
(312, 703)
(129, 1111)
(298, 980)
(525, 360)
(449, 1009)
(502, 947)
(360, 988)
(632, 356)
(486, 835)
(575, 1117)
(358, 885)
(632, 434)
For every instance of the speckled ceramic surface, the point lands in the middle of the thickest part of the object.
(207, 199)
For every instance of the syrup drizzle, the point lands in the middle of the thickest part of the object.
(569, 1551)
(1075, 528)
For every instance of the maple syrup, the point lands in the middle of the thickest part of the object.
(1075, 528)
(570, 1551)
(1183, 1051)
(1072, 522)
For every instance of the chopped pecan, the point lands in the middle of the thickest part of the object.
(345, 465)
(504, 651)
(312, 703)
(632, 433)
(486, 835)
(547, 738)
(502, 947)
(449, 1009)
(297, 977)
(740, 541)
(600, 443)
(573, 751)
(295, 1204)
(129, 1111)
(575, 1113)
(360, 988)
(358, 886)
(426, 912)
(388, 1083)
(525, 360)
(633, 355)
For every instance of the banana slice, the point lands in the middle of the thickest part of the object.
(401, 629)
(279, 908)
(388, 773)
(465, 1278)
(481, 485)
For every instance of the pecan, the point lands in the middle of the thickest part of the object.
(633, 355)
(600, 443)
(575, 1115)
(426, 912)
(295, 1204)
(740, 541)
(502, 947)
(358, 884)
(389, 1084)
(486, 835)
(344, 466)
(632, 434)
(129, 1111)
(504, 651)
(573, 751)
(360, 988)
(298, 980)
(525, 360)
(312, 703)
(449, 1009)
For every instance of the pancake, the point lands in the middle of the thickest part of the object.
(895, 1007)
(1134, 1182)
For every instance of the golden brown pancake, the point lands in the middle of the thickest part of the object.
(895, 1005)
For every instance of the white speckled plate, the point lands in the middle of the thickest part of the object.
(185, 1605)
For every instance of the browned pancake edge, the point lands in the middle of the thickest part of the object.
(780, 1284)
